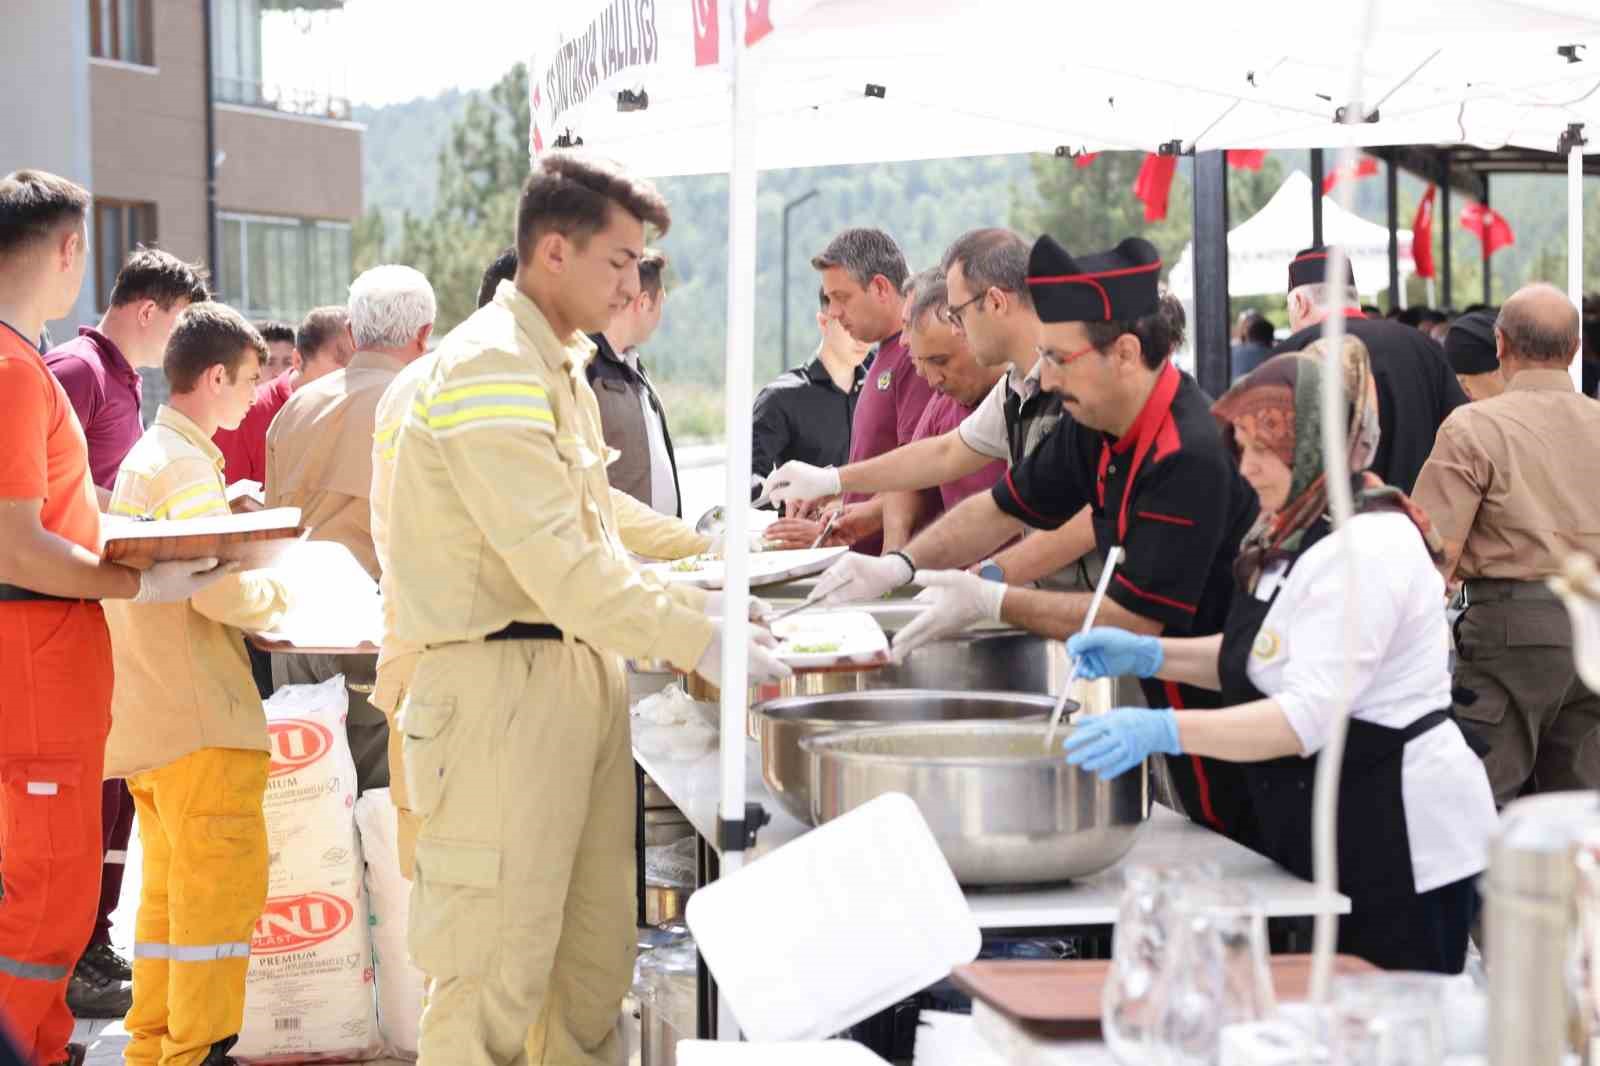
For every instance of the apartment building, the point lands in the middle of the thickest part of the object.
(286, 161)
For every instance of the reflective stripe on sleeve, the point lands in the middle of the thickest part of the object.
(486, 402)
(191, 953)
(31, 971)
(192, 500)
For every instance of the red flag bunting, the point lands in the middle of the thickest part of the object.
(1422, 234)
(1085, 159)
(1246, 158)
(757, 20)
(1490, 226)
(706, 41)
(1364, 167)
(1153, 185)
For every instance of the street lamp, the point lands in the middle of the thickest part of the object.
(783, 289)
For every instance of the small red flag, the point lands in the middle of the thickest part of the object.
(1246, 158)
(1153, 185)
(757, 20)
(706, 42)
(1364, 167)
(1490, 226)
(1422, 234)
(1085, 159)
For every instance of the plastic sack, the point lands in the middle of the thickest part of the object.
(400, 984)
(309, 988)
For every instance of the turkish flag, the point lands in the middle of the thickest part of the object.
(1246, 158)
(706, 43)
(538, 141)
(757, 20)
(1083, 161)
(1422, 234)
(1490, 226)
(1153, 185)
(1364, 167)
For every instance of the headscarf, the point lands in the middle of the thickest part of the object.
(1280, 404)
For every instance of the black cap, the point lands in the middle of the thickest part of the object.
(1310, 267)
(1115, 286)
(1470, 344)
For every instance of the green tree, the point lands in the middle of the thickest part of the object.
(1092, 208)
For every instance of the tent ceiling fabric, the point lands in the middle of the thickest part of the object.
(1481, 72)
(1260, 247)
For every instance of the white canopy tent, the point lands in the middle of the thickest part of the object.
(1259, 248)
(844, 81)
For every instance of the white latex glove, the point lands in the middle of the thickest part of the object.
(176, 581)
(797, 482)
(955, 600)
(764, 667)
(759, 608)
(857, 577)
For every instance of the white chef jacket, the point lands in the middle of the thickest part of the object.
(1401, 673)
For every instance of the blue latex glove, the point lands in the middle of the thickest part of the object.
(1108, 652)
(1113, 743)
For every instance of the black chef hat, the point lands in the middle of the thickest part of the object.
(1310, 267)
(1115, 286)
(1470, 344)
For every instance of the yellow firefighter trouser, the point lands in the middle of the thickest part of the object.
(205, 880)
(519, 763)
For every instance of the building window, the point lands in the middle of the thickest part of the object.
(121, 30)
(282, 267)
(119, 227)
(236, 50)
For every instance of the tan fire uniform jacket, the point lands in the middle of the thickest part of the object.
(183, 679)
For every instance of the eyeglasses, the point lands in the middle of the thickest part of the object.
(952, 313)
(1050, 356)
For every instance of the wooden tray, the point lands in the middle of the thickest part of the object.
(1061, 1000)
(235, 538)
(284, 647)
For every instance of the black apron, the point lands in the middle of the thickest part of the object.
(1374, 847)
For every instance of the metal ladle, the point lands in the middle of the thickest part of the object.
(1113, 556)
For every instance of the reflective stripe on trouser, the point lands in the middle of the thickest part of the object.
(55, 712)
(522, 907)
(204, 883)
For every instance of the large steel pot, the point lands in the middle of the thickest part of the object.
(782, 724)
(1003, 809)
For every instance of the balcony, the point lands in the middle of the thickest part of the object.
(310, 103)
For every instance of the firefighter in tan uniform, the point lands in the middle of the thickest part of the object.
(188, 732)
(643, 531)
(508, 568)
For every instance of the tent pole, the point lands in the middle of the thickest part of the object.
(1483, 245)
(1393, 192)
(1444, 233)
(1575, 246)
(1316, 196)
(1212, 356)
(731, 826)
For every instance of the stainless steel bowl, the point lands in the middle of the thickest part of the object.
(782, 724)
(1004, 811)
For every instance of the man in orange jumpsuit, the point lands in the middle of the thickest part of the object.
(55, 653)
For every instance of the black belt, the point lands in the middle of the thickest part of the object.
(14, 594)
(1492, 589)
(527, 631)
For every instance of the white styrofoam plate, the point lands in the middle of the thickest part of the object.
(847, 636)
(766, 568)
(836, 925)
(797, 1053)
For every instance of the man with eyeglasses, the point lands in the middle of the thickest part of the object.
(1143, 453)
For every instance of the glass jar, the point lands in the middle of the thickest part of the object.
(1215, 973)
(1387, 1019)
(1139, 943)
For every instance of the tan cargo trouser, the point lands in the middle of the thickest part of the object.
(519, 765)
(1542, 726)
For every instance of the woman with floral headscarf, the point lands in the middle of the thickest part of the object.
(1415, 809)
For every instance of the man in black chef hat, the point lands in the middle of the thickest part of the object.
(1416, 389)
(1470, 347)
(1143, 452)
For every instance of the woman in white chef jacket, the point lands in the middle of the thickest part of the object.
(1415, 808)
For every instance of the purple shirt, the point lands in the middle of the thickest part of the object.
(887, 411)
(106, 392)
(943, 414)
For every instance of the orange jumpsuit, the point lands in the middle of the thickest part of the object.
(55, 713)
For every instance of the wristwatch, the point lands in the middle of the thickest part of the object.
(990, 570)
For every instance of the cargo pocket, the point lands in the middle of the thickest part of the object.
(455, 921)
(42, 810)
(426, 727)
